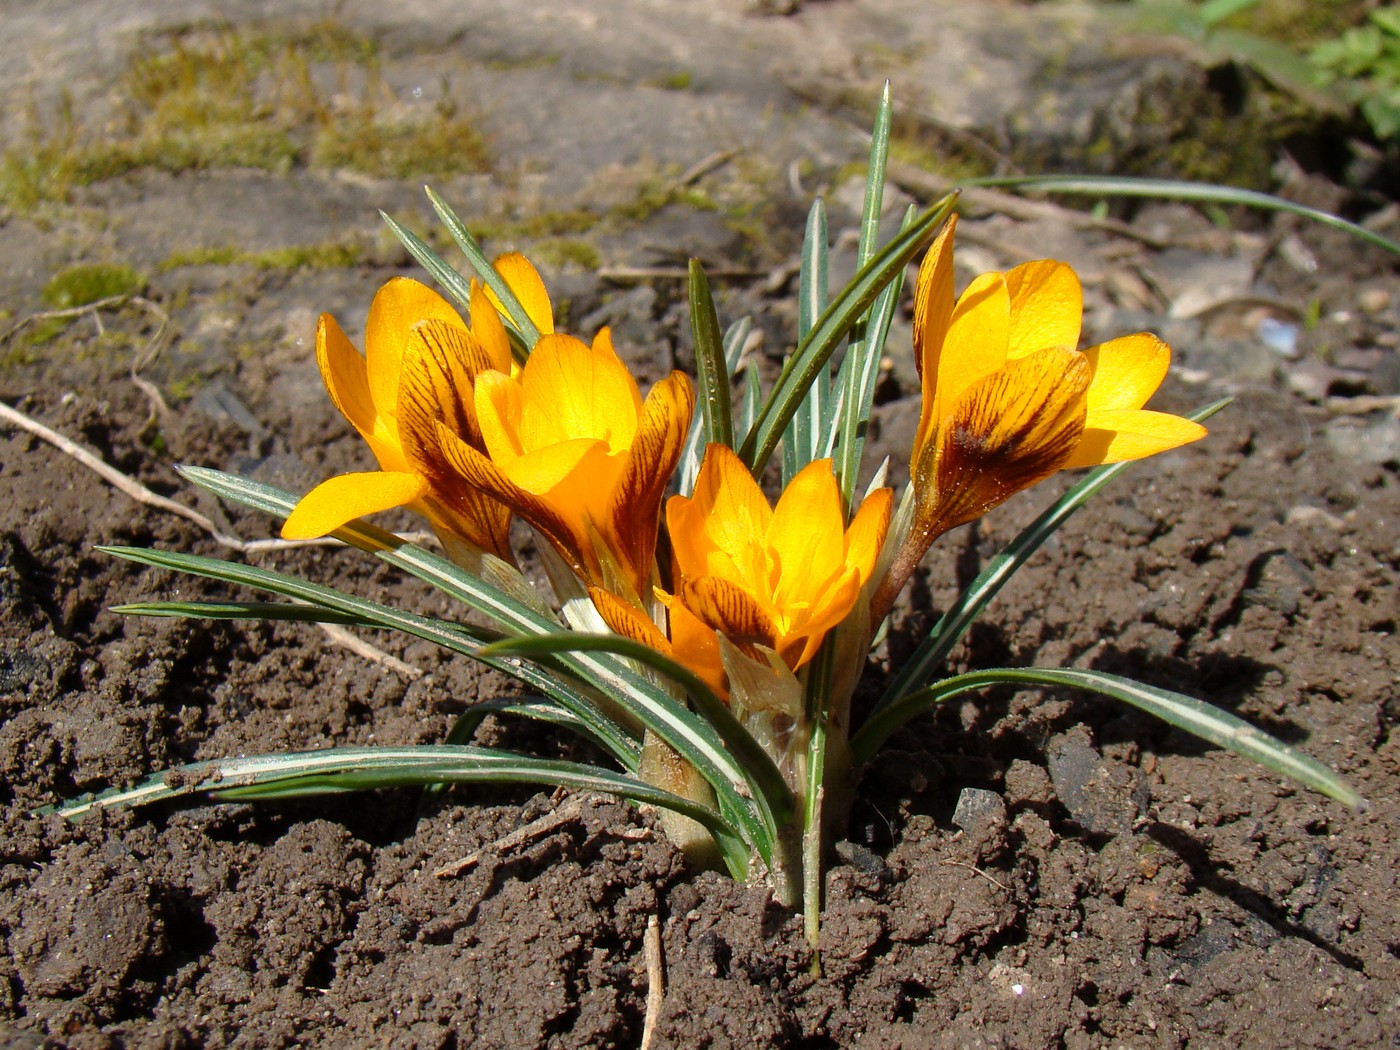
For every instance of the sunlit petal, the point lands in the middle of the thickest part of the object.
(588, 391)
(1127, 371)
(340, 499)
(524, 280)
(807, 534)
(343, 371)
(977, 340)
(1121, 434)
(867, 531)
(1012, 429)
(488, 329)
(727, 512)
(933, 302)
(634, 514)
(399, 305)
(729, 609)
(1047, 304)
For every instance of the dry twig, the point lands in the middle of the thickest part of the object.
(141, 494)
(656, 979)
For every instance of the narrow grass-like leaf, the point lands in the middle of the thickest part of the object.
(807, 426)
(1196, 717)
(240, 611)
(644, 700)
(859, 372)
(711, 375)
(619, 743)
(343, 769)
(651, 705)
(812, 355)
(453, 283)
(954, 623)
(770, 791)
(450, 636)
(515, 312)
(1169, 189)
(735, 337)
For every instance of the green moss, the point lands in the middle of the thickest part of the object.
(560, 251)
(90, 283)
(935, 151)
(401, 149)
(202, 98)
(661, 191)
(681, 80)
(330, 255)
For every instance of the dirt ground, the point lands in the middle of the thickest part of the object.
(1141, 890)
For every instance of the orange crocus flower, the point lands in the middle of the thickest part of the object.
(570, 446)
(420, 364)
(1008, 399)
(779, 577)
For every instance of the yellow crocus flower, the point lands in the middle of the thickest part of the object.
(779, 577)
(1008, 399)
(420, 364)
(570, 446)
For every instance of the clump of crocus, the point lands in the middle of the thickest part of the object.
(711, 652)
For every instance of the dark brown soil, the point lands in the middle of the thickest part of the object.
(1142, 891)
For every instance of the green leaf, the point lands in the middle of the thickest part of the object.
(515, 312)
(1213, 12)
(859, 372)
(1168, 189)
(954, 623)
(643, 700)
(343, 769)
(815, 351)
(735, 337)
(711, 375)
(624, 748)
(1197, 717)
(809, 423)
(452, 636)
(453, 283)
(239, 611)
(769, 788)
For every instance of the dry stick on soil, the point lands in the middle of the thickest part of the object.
(922, 182)
(656, 979)
(570, 810)
(141, 494)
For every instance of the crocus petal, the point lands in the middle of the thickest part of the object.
(866, 534)
(729, 609)
(1047, 304)
(727, 512)
(807, 534)
(694, 644)
(1011, 430)
(977, 340)
(399, 305)
(588, 391)
(583, 461)
(568, 535)
(488, 329)
(499, 403)
(343, 371)
(334, 502)
(1127, 371)
(933, 301)
(1121, 434)
(656, 448)
(524, 280)
(626, 619)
